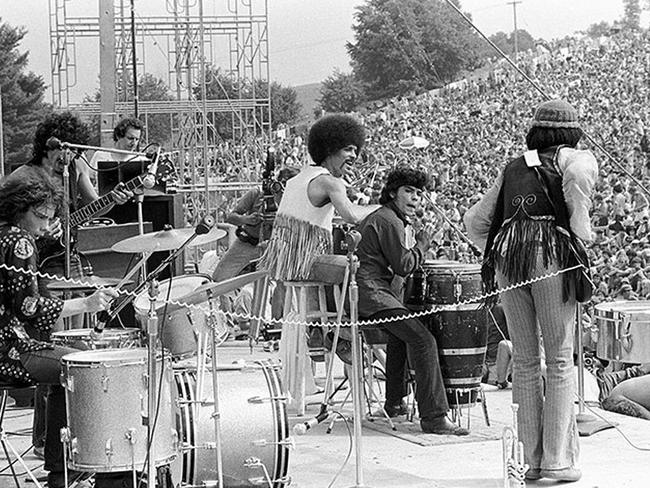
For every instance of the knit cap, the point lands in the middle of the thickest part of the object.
(556, 114)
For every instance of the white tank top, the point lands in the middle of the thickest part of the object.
(295, 201)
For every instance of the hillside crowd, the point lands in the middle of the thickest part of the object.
(474, 127)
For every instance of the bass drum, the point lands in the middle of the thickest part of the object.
(254, 427)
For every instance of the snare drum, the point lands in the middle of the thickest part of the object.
(443, 282)
(106, 394)
(623, 331)
(179, 328)
(85, 339)
(253, 424)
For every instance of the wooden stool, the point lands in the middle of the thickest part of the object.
(5, 389)
(294, 337)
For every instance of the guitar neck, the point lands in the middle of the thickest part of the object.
(87, 212)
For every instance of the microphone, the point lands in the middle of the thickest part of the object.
(150, 178)
(301, 429)
(352, 240)
(53, 143)
(103, 318)
(204, 226)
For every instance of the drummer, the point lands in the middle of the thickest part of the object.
(390, 250)
(27, 210)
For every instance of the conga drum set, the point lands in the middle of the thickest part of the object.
(141, 399)
(460, 329)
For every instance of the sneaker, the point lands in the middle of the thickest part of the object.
(442, 426)
(566, 474)
(396, 410)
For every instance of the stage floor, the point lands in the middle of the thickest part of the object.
(410, 459)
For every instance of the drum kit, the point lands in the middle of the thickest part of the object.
(119, 420)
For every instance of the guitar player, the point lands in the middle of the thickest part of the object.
(48, 160)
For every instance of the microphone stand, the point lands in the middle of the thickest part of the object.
(357, 369)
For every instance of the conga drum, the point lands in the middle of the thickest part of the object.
(460, 329)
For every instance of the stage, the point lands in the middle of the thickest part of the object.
(409, 459)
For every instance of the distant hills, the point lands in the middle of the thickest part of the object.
(307, 96)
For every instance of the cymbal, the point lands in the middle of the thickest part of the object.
(215, 289)
(166, 240)
(87, 283)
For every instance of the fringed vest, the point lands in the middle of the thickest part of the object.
(524, 222)
(301, 231)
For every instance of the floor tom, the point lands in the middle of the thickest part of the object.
(106, 396)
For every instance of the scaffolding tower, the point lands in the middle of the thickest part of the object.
(193, 41)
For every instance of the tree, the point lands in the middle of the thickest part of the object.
(285, 107)
(599, 29)
(405, 45)
(506, 42)
(631, 14)
(150, 88)
(23, 106)
(221, 86)
(341, 92)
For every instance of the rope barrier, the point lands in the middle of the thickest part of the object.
(247, 316)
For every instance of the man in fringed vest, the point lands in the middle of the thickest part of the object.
(302, 230)
(527, 223)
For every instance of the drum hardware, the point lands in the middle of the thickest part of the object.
(257, 400)
(458, 288)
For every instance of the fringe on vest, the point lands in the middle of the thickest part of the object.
(515, 250)
(293, 247)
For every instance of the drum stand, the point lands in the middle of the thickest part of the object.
(152, 334)
(587, 424)
(216, 415)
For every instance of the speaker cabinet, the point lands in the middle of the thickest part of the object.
(160, 210)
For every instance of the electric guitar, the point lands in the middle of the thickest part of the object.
(56, 247)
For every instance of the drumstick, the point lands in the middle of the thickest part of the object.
(134, 270)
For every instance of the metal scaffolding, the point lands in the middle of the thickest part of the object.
(194, 41)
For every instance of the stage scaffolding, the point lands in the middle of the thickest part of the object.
(193, 41)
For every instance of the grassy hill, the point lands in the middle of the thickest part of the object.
(307, 96)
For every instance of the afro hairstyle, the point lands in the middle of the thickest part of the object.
(332, 133)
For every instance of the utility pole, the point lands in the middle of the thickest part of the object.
(514, 15)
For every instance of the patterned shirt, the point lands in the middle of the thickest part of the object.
(21, 307)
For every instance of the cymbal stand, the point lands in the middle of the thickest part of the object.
(357, 369)
(65, 214)
(216, 415)
(152, 334)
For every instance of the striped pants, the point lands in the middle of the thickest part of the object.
(546, 420)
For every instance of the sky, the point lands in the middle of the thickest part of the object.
(306, 37)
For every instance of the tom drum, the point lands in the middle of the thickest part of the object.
(623, 331)
(106, 395)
